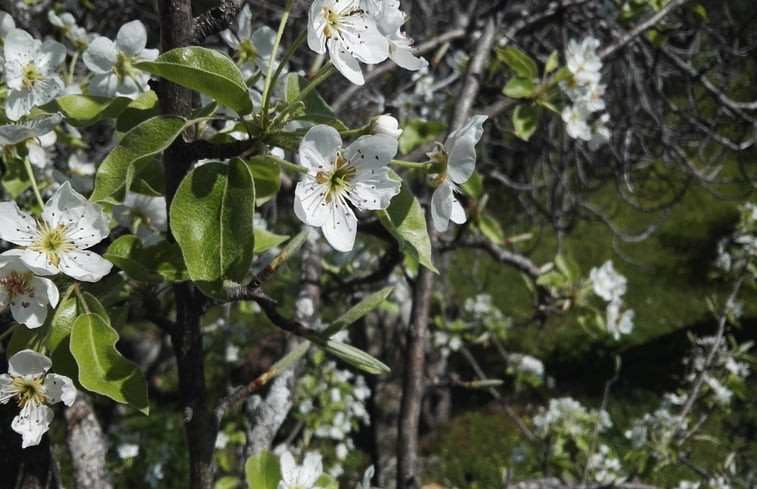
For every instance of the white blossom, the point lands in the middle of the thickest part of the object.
(582, 60)
(252, 48)
(113, 62)
(28, 382)
(618, 323)
(459, 159)
(30, 72)
(127, 450)
(607, 282)
(387, 125)
(576, 117)
(389, 19)
(59, 242)
(338, 179)
(349, 33)
(27, 295)
(303, 476)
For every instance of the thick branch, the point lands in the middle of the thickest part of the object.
(86, 444)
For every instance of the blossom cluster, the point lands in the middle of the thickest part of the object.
(566, 416)
(610, 285)
(354, 31)
(585, 93)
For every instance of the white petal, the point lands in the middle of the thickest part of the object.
(59, 388)
(288, 468)
(45, 288)
(131, 38)
(404, 58)
(310, 204)
(100, 56)
(28, 312)
(18, 104)
(262, 39)
(319, 147)
(372, 151)
(86, 266)
(341, 226)
(374, 189)
(36, 261)
(86, 223)
(51, 54)
(345, 62)
(32, 422)
(20, 46)
(461, 145)
(363, 39)
(316, 27)
(7, 389)
(311, 469)
(441, 206)
(229, 38)
(28, 362)
(104, 85)
(458, 213)
(16, 226)
(46, 90)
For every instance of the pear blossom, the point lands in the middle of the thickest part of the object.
(252, 48)
(27, 295)
(336, 179)
(367, 476)
(28, 382)
(303, 476)
(349, 33)
(145, 215)
(618, 323)
(386, 124)
(582, 60)
(59, 242)
(458, 156)
(30, 72)
(607, 282)
(7, 24)
(575, 117)
(113, 62)
(67, 23)
(37, 134)
(389, 18)
(600, 133)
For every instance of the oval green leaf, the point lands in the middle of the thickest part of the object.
(116, 172)
(206, 71)
(406, 221)
(102, 369)
(211, 218)
(262, 471)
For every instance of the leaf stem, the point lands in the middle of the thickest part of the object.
(425, 166)
(269, 79)
(33, 181)
(326, 71)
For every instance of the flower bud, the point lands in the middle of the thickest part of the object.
(386, 124)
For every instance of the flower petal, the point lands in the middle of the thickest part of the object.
(131, 38)
(372, 151)
(59, 388)
(317, 27)
(104, 85)
(28, 362)
(86, 266)
(374, 189)
(319, 148)
(461, 145)
(16, 226)
(288, 468)
(441, 206)
(311, 470)
(100, 56)
(345, 62)
(28, 312)
(340, 228)
(32, 422)
(310, 204)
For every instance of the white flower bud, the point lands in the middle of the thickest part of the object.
(387, 125)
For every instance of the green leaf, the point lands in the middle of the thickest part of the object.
(102, 369)
(227, 482)
(568, 267)
(474, 186)
(116, 172)
(526, 120)
(262, 471)
(266, 174)
(203, 70)
(58, 343)
(314, 104)
(211, 218)
(406, 221)
(552, 62)
(491, 229)
(139, 110)
(354, 356)
(83, 110)
(162, 261)
(327, 481)
(418, 132)
(357, 311)
(518, 61)
(265, 240)
(520, 88)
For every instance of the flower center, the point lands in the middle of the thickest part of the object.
(29, 390)
(52, 242)
(338, 180)
(15, 285)
(31, 75)
(246, 51)
(334, 19)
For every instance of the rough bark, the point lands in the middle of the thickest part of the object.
(86, 445)
(269, 412)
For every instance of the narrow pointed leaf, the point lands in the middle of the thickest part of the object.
(357, 311)
(211, 218)
(116, 172)
(102, 369)
(206, 71)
